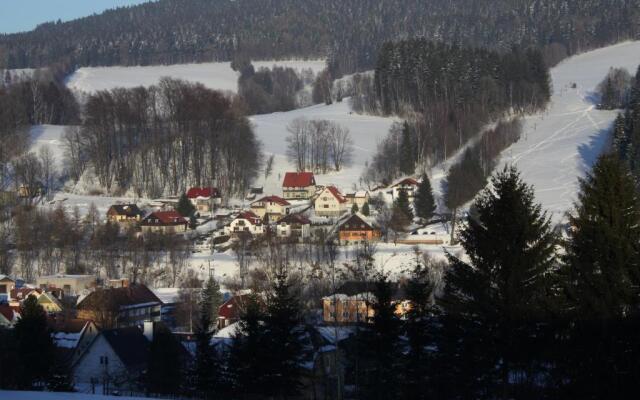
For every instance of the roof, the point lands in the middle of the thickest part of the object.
(165, 218)
(5, 277)
(131, 346)
(118, 297)
(195, 192)
(22, 293)
(128, 210)
(273, 199)
(298, 179)
(407, 181)
(251, 217)
(295, 219)
(367, 289)
(336, 193)
(357, 219)
(10, 313)
(361, 194)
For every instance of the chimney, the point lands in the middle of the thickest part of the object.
(148, 330)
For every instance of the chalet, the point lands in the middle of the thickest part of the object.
(273, 207)
(120, 307)
(204, 199)
(358, 229)
(115, 358)
(409, 185)
(124, 214)
(298, 186)
(352, 303)
(71, 285)
(6, 286)
(246, 222)
(330, 203)
(295, 227)
(9, 315)
(359, 198)
(166, 222)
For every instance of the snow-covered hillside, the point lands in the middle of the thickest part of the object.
(559, 145)
(217, 75)
(51, 137)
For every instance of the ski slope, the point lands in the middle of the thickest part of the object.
(559, 145)
(217, 75)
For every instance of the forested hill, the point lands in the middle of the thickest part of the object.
(348, 31)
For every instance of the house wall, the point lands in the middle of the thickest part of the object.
(359, 236)
(288, 230)
(167, 230)
(327, 205)
(243, 225)
(294, 193)
(6, 286)
(348, 310)
(71, 285)
(88, 367)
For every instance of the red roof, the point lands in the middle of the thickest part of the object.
(251, 217)
(9, 312)
(295, 219)
(22, 293)
(336, 193)
(407, 182)
(232, 309)
(299, 179)
(196, 192)
(165, 217)
(273, 199)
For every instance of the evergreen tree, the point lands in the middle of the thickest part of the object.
(493, 303)
(598, 358)
(164, 372)
(380, 347)
(620, 143)
(407, 159)
(354, 208)
(34, 346)
(207, 371)
(402, 204)
(185, 207)
(417, 327)
(212, 299)
(248, 352)
(424, 203)
(365, 209)
(282, 371)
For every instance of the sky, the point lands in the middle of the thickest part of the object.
(24, 15)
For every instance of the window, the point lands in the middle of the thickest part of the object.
(326, 206)
(104, 360)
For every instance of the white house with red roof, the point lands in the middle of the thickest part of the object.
(245, 222)
(331, 203)
(204, 199)
(409, 185)
(273, 207)
(167, 222)
(298, 185)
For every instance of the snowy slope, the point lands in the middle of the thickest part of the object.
(51, 137)
(217, 75)
(559, 145)
(366, 131)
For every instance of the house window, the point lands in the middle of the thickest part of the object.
(104, 360)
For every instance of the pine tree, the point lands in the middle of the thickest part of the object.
(207, 371)
(620, 143)
(493, 302)
(212, 299)
(354, 208)
(164, 373)
(185, 207)
(602, 278)
(380, 347)
(34, 346)
(282, 371)
(365, 209)
(407, 159)
(424, 203)
(419, 321)
(402, 203)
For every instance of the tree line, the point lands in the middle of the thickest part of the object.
(164, 139)
(626, 128)
(447, 95)
(349, 33)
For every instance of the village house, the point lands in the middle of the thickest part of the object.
(246, 222)
(231, 310)
(294, 227)
(273, 207)
(330, 203)
(6, 286)
(165, 222)
(358, 229)
(71, 285)
(124, 214)
(72, 336)
(409, 185)
(298, 186)
(204, 199)
(9, 315)
(120, 307)
(359, 198)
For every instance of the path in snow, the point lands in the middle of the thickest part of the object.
(562, 143)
